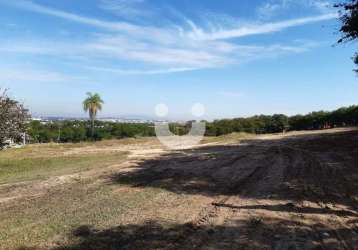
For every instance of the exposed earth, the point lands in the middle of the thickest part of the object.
(290, 191)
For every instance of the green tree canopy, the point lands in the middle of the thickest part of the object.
(349, 19)
(13, 118)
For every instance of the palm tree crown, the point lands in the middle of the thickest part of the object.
(92, 104)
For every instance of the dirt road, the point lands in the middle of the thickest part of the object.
(281, 192)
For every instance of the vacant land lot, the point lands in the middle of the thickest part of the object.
(293, 191)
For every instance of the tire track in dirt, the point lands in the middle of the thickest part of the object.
(211, 210)
(262, 180)
(220, 211)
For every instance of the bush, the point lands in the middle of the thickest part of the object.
(13, 118)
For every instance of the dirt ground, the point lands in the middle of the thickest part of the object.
(283, 192)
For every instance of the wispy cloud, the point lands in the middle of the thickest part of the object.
(33, 75)
(31, 6)
(259, 29)
(130, 9)
(275, 7)
(160, 49)
(186, 54)
(104, 51)
(141, 72)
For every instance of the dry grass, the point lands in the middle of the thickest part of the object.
(43, 219)
(39, 162)
(232, 138)
(292, 191)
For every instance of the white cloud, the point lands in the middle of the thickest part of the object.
(268, 10)
(141, 72)
(260, 28)
(31, 6)
(158, 50)
(126, 8)
(32, 75)
(276, 7)
(104, 51)
(186, 54)
(196, 32)
(322, 6)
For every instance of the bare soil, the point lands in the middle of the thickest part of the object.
(282, 192)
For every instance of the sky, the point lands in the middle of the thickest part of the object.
(233, 58)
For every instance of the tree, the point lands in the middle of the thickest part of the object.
(349, 19)
(13, 119)
(92, 104)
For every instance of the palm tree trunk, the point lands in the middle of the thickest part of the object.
(92, 127)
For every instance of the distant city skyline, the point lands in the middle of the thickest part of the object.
(237, 58)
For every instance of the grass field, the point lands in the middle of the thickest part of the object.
(22, 168)
(44, 160)
(45, 211)
(134, 194)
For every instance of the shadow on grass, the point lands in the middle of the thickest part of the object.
(310, 167)
(254, 234)
(316, 168)
(290, 207)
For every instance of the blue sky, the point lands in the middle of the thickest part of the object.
(237, 58)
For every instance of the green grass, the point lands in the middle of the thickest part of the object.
(39, 161)
(21, 169)
(229, 138)
(45, 220)
(52, 217)
(32, 222)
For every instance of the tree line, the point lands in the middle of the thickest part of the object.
(15, 122)
(259, 124)
(77, 131)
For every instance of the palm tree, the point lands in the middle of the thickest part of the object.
(92, 104)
